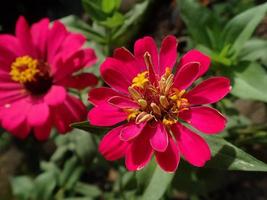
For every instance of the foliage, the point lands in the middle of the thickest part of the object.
(76, 171)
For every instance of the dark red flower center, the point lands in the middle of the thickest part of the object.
(33, 74)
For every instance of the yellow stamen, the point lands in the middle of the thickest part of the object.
(140, 80)
(24, 69)
(143, 117)
(134, 93)
(164, 101)
(132, 114)
(155, 109)
(142, 103)
(168, 122)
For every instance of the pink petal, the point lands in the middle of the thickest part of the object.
(111, 146)
(186, 75)
(56, 95)
(159, 140)
(72, 110)
(24, 36)
(9, 49)
(169, 159)
(131, 130)
(125, 56)
(168, 53)
(122, 102)
(13, 118)
(80, 81)
(101, 95)
(194, 148)
(78, 60)
(116, 74)
(39, 32)
(139, 152)
(106, 115)
(56, 36)
(147, 44)
(209, 91)
(207, 120)
(38, 114)
(72, 43)
(196, 56)
(21, 131)
(42, 132)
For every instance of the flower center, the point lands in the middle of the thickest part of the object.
(33, 74)
(158, 100)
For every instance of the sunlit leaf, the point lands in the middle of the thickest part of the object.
(241, 27)
(251, 82)
(158, 185)
(226, 156)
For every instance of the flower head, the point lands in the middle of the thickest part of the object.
(154, 102)
(37, 66)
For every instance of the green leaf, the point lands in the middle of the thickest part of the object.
(85, 146)
(74, 177)
(203, 26)
(238, 30)
(86, 126)
(44, 186)
(158, 185)
(251, 83)
(77, 25)
(144, 176)
(22, 187)
(87, 190)
(69, 166)
(131, 17)
(254, 49)
(114, 21)
(110, 5)
(226, 156)
(94, 9)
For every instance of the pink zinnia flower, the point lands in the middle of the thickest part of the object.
(152, 101)
(37, 66)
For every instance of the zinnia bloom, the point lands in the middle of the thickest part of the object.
(37, 66)
(151, 101)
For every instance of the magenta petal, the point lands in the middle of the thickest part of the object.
(80, 81)
(101, 95)
(159, 139)
(196, 56)
(116, 75)
(56, 95)
(122, 102)
(24, 36)
(42, 132)
(131, 130)
(169, 159)
(39, 33)
(147, 44)
(38, 114)
(70, 111)
(207, 120)
(186, 75)
(9, 49)
(73, 42)
(111, 147)
(168, 53)
(139, 152)
(129, 60)
(56, 36)
(106, 115)
(193, 147)
(209, 91)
